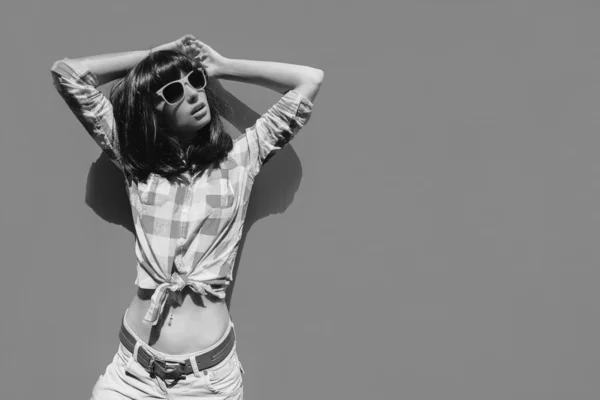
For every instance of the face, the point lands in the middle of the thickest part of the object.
(184, 118)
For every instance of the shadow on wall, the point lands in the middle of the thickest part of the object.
(273, 190)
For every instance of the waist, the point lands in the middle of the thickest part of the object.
(197, 324)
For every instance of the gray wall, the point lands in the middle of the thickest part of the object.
(431, 234)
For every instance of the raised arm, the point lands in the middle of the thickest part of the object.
(299, 85)
(274, 129)
(277, 76)
(77, 80)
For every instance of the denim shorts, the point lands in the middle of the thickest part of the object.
(125, 378)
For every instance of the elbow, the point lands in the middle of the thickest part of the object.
(317, 76)
(312, 76)
(321, 75)
(58, 67)
(66, 66)
(55, 72)
(311, 84)
(55, 66)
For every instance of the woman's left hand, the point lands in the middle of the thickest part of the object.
(211, 60)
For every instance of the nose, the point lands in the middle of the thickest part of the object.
(191, 93)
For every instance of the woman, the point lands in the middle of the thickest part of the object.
(189, 184)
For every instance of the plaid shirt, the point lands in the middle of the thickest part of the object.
(185, 234)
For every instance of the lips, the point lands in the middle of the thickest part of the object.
(197, 108)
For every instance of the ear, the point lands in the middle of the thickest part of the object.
(160, 106)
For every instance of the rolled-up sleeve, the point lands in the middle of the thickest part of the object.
(272, 131)
(77, 85)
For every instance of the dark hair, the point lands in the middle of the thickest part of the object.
(144, 141)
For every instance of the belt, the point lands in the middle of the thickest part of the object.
(177, 370)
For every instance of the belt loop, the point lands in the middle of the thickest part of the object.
(135, 351)
(195, 366)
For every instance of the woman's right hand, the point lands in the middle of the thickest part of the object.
(211, 60)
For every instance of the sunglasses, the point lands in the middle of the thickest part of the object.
(173, 92)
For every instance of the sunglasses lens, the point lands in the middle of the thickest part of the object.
(174, 92)
(197, 80)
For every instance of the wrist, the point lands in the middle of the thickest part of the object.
(224, 68)
(166, 46)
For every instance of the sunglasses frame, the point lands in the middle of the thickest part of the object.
(182, 81)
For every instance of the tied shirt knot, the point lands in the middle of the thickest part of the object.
(176, 284)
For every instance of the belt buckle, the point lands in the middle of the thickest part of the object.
(164, 371)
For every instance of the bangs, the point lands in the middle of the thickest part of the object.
(163, 67)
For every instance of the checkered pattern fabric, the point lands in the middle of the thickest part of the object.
(186, 234)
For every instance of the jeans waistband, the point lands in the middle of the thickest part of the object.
(174, 357)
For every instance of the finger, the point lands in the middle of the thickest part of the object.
(187, 40)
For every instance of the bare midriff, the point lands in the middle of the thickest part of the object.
(198, 323)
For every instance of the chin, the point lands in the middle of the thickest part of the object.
(201, 128)
(202, 123)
